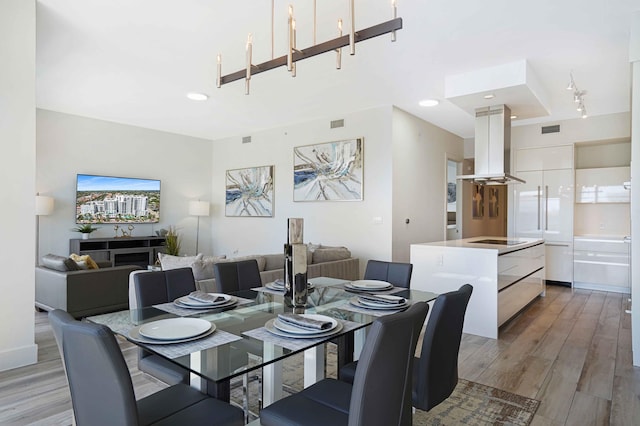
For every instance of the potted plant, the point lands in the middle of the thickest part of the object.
(172, 242)
(85, 229)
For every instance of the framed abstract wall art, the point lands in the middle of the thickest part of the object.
(249, 192)
(331, 171)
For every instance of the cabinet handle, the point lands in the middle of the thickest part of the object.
(556, 245)
(546, 207)
(538, 207)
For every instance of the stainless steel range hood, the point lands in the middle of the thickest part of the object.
(492, 147)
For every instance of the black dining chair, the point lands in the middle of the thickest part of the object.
(102, 391)
(380, 394)
(235, 276)
(153, 288)
(232, 277)
(435, 372)
(396, 273)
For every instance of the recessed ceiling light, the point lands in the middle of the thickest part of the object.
(513, 117)
(489, 96)
(428, 102)
(194, 96)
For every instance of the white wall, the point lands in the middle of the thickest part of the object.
(420, 152)
(634, 58)
(597, 128)
(346, 223)
(69, 144)
(17, 173)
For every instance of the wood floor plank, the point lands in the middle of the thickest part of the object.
(556, 396)
(599, 368)
(588, 410)
(625, 405)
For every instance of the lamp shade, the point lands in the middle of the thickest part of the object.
(199, 208)
(44, 205)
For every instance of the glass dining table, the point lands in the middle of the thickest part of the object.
(242, 341)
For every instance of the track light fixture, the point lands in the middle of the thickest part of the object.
(578, 96)
(294, 55)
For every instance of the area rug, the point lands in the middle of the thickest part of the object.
(470, 404)
(476, 404)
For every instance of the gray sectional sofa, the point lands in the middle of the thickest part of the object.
(323, 261)
(81, 292)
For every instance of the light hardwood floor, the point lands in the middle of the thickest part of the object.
(570, 349)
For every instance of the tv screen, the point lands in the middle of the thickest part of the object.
(108, 199)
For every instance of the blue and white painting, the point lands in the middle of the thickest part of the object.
(249, 192)
(329, 171)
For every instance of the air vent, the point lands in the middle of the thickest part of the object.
(246, 139)
(337, 123)
(551, 129)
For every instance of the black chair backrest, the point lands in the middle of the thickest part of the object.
(381, 392)
(398, 274)
(236, 276)
(158, 287)
(436, 373)
(101, 388)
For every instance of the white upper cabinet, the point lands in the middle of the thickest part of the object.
(546, 158)
(602, 185)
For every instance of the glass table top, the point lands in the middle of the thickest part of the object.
(240, 342)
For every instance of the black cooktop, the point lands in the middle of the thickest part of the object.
(498, 242)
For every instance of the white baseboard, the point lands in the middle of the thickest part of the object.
(601, 287)
(18, 357)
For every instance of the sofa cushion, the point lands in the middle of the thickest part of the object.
(168, 261)
(59, 263)
(84, 261)
(203, 268)
(273, 261)
(330, 254)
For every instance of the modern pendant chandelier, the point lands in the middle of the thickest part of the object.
(294, 54)
(578, 96)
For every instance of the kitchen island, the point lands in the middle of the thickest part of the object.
(506, 275)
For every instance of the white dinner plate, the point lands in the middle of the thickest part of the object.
(355, 301)
(230, 302)
(134, 334)
(174, 328)
(292, 329)
(275, 287)
(273, 330)
(371, 284)
(186, 300)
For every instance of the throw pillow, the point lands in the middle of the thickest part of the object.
(168, 261)
(203, 268)
(330, 254)
(310, 249)
(59, 263)
(84, 262)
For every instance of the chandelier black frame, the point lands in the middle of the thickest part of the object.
(294, 55)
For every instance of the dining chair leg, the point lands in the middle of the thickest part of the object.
(245, 397)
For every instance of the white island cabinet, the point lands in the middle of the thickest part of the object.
(506, 275)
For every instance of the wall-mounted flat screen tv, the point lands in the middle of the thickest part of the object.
(108, 199)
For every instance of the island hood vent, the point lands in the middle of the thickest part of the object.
(492, 147)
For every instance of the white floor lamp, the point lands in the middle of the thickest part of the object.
(198, 208)
(44, 207)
